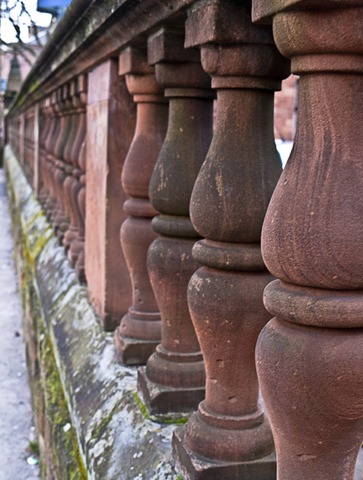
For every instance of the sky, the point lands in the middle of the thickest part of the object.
(7, 31)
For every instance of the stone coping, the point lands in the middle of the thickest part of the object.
(89, 32)
(116, 438)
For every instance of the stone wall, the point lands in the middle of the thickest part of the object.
(91, 422)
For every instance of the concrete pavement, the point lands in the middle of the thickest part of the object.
(16, 429)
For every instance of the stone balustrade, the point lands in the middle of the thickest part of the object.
(172, 220)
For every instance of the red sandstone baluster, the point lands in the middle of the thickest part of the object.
(139, 331)
(43, 132)
(50, 205)
(57, 175)
(59, 126)
(44, 126)
(81, 200)
(21, 139)
(28, 144)
(60, 218)
(229, 436)
(49, 120)
(26, 151)
(36, 140)
(310, 356)
(61, 162)
(78, 159)
(68, 183)
(174, 378)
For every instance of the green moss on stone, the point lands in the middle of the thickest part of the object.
(164, 419)
(67, 458)
(174, 421)
(141, 405)
(101, 430)
(33, 447)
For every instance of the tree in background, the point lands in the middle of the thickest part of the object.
(17, 13)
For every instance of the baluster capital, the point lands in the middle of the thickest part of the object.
(177, 69)
(263, 11)
(140, 76)
(236, 53)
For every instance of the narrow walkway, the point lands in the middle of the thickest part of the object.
(16, 431)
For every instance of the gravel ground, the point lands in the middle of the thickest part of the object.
(16, 430)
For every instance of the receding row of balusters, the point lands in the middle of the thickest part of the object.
(63, 166)
(197, 199)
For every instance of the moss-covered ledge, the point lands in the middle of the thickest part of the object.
(112, 438)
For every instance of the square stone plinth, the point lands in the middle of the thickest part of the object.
(163, 400)
(133, 351)
(194, 467)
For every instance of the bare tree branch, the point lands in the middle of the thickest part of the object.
(14, 11)
(20, 49)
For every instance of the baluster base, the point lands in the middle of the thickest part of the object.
(137, 336)
(133, 351)
(162, 399)
(195, 467)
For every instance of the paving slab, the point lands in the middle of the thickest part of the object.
(16, 428)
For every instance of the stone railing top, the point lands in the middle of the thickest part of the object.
(88, 33)
(263, 10)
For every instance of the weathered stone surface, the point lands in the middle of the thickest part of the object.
(115, 439)
(195, 467)
(265, 9)
(139, 331)
(310, 356)
(228, 204)
(89, 33)
(108, 139)
(174, 377)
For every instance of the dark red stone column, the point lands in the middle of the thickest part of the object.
(29, 121)
(139, 331)
(174, 379)
(58, 216)
(46, 132)
(70, 233)
(310, 356)
(51, 202)
(76, 232)
(38, 125)
(72, 183)
(229, 436)
(43, 133)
